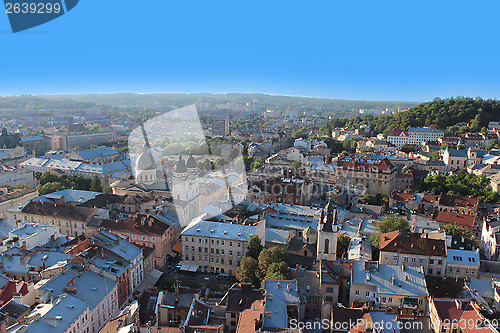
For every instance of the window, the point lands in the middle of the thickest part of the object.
(222, 261)
(367, 294)
(230, 262)
(395, 258)
(420, 261)
(217, 242)
(440, 262)
(222, 242)
(212, 241)
(356, 292)
(438, 272)
(413, 260)
(222, 252)
(405, 259)
(230, 243)
(327, 246)
(230, 253)
(430, 270)
(192, 240)
(329, 290)
(153, 239)
(239, 244)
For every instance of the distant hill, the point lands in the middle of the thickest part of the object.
(440, 113)
(35, 103)
(310, 105)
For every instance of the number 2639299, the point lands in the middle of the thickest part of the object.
(32, 8)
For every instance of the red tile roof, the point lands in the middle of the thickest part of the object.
(462, 311)
(139, 224)
(396, 131)
(458, 201)
(13, 287)
(399, 242)
(383, 165)
(65, 211)
(464, 220)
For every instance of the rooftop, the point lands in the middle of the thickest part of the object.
(279, 294)
(220, 230)
(463, 257)
(88, 286)
(409, 281)
(399, 242)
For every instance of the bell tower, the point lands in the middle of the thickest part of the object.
(327, 234)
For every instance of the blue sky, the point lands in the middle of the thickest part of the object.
(374, 50)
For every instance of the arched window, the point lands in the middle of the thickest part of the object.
(327, 246)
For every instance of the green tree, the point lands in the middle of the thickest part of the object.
(277, 271)
(343, 242)
(258, 163)
(379, 199)
(387, 224)
(406, 148)
(49, 188)
(254, 247)
(456, 230)
(96, 185)
(248, 271)
(269, 256)
(295, 165)
(436, 155)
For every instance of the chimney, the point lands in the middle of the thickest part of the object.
(403, 267)
(393, 279)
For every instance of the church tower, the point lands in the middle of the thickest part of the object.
(327, 234)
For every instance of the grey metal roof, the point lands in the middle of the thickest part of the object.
(462, 257)
(283, 292)
(411, 280)
(220, 230)
(90, 287)
(67, 309)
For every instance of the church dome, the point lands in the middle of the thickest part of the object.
(180, 167)
(145, 161)
(191, 163)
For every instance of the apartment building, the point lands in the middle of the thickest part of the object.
(151, 230)
(414, 136)
(453, 315)
(398, 288)
(214, 246)
(69, 220)
(414, 250)
(98, 292)
(82, 140)
(462, 264)
(372, 177)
